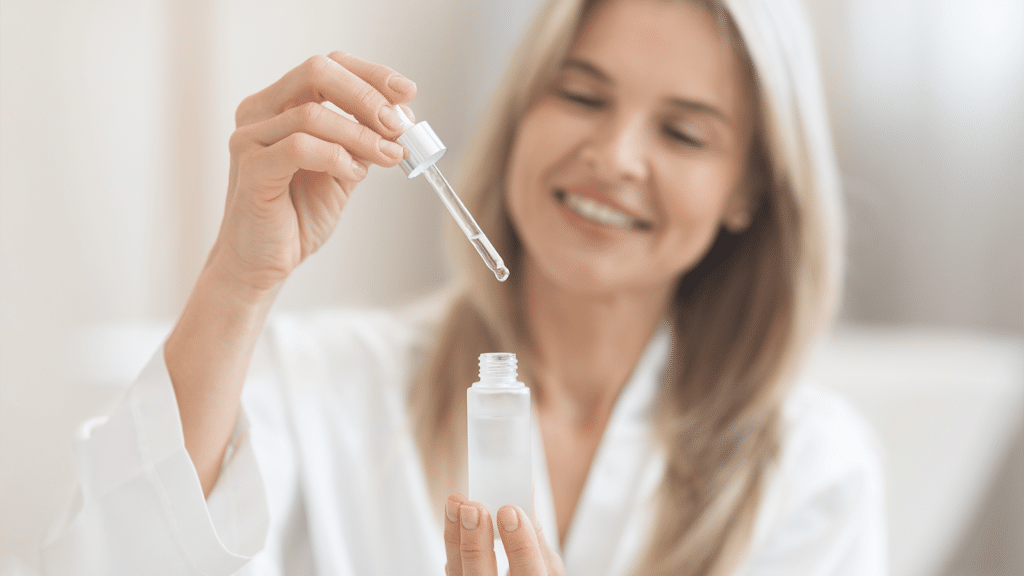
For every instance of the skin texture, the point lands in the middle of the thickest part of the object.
(649, 116)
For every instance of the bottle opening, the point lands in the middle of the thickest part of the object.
(498, 368)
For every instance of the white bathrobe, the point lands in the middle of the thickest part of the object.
(323, 475)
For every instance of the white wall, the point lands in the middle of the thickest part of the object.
(926, 106)
(927, 100)
(84, 187)
(115, 114)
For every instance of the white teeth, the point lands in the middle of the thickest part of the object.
(598, 212)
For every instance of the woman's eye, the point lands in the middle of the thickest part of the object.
(586, 100)
(681, 137)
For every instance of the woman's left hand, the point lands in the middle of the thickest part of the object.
(469, 541)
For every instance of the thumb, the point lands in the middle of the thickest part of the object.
(521, 542)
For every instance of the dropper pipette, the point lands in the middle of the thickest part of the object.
(425, 149)
(465, 220)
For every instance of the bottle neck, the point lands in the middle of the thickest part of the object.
(498, 370)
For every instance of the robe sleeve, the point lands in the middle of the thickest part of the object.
(139, 506)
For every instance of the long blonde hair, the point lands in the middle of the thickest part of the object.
(741, 319)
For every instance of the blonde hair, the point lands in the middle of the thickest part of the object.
(742, 318)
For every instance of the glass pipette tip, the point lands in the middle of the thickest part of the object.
(465, 220)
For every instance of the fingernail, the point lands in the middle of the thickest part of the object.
(389, 117)
(470, 517)
(511, 521)
(358, 169)
(392, 149)
(401, 84)
(449, 512)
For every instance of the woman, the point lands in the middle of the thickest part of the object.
(659, 180)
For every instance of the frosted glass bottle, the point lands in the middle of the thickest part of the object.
(498, 410)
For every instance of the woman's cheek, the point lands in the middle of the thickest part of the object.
(557, 131)
(699, 189)
(544, 142)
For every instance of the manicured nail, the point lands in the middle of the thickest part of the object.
(470, 517)
(391, 149)
(449, 512)
(389, 117)
(511, 521)
(401, 84)
(358, 169)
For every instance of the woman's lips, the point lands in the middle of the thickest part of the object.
(599, 212)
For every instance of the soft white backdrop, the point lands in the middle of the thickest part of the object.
(114, 119)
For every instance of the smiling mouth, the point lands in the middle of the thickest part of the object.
(590, 209)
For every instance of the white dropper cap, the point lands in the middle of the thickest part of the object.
(424, 147)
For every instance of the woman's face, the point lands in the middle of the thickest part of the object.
(621, 175)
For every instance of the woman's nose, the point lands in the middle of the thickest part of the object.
(618, 150)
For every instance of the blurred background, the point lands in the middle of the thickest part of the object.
(114, 122)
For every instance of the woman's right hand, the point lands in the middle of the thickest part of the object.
(295, 162)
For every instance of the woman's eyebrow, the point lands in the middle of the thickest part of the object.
(588, 69)
(699, 107)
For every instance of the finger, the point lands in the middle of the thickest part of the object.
(319, 121)
(270, 168)
(521, 544)
(552, 560)
(318, 79)
(318, 202)
(477, 541)
(453, 534)
(391, 84)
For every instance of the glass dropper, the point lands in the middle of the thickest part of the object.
(425, 149)
(465, 219)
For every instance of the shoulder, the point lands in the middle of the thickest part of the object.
(823, 433)
(828, 451)
(823, 507)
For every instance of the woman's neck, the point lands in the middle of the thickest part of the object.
(587, 344)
